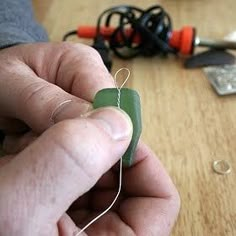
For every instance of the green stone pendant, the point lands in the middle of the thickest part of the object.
(130, 103)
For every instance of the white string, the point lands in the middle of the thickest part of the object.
(120, 171)
(58, 107)
(122, 85)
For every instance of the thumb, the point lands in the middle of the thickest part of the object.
(40, 184)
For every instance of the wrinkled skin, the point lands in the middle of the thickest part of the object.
(59, 170)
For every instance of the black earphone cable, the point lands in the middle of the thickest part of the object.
(153, 26)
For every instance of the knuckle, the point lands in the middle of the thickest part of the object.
(30, 95)
(92, 52)
(82, 48)
(9, 66)
(33, 91)
(65, 129)
(88, 52)
(39, 99)
(63, 137)
(66, 46)
(79, 53)
(82, 143)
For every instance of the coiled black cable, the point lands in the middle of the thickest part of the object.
(153, 26)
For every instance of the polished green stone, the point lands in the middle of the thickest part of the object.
(130, 103)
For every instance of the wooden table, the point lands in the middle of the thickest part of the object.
(184, 121)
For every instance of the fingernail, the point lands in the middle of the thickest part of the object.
(114, 121)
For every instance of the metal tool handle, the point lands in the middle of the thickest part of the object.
(217, 44)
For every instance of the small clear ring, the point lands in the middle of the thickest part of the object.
(221, 167)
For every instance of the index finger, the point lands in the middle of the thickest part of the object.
(38, 90)
(84, 72)
(76, 68)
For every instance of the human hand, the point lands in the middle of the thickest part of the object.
(37, 79)
(34, 178)
(148, 204)
(39, 183)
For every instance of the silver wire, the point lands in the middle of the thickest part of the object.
(122, 85)
(120, 171)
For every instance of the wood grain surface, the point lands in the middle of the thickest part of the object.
(184, 121)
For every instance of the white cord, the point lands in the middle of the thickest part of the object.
(113, 202)
(120, 172)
